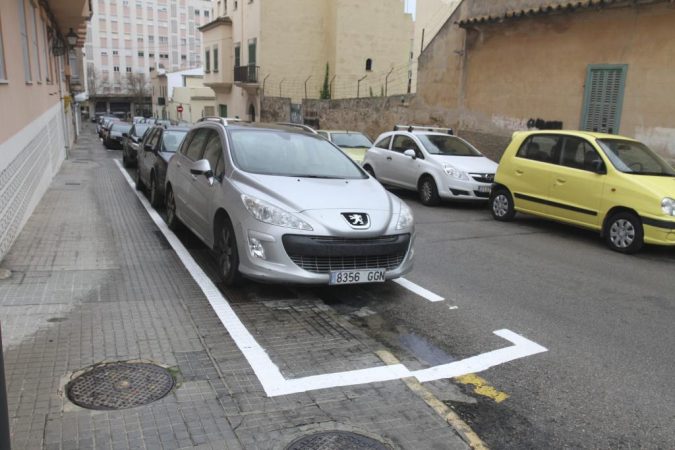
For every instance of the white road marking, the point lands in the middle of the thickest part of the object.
(419, 290)
(268, 373)
(454, 307)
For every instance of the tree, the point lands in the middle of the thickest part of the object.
(96, 85)
(325, 93)
(138, 89)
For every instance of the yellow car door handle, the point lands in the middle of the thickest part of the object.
(519, 172)
(560, 181)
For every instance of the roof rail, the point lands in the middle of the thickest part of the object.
(221, 120)
(411, 128)
(299, 125)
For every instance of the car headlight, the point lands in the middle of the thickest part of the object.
(405, 217)
(272, 215)
(668, 206)
(455, 172)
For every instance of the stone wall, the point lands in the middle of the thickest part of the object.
(275, 109)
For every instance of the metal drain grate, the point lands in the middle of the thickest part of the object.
(336, 440)
(120, 386)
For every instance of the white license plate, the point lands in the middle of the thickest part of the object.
(357, 276)
(485, 189)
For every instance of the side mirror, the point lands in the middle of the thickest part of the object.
(411, 153)
(202, 167)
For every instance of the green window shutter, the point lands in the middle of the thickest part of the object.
(603, 98)
(222, 110)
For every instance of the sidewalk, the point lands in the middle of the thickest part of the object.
(94, 281)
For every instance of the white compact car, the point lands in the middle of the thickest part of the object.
(431, 161)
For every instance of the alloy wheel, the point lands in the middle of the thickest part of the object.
(622, 233)
(500, 205)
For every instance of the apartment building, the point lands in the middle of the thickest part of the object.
(282, 48)
(39, 116)
(128, 39)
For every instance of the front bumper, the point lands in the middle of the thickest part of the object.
(659, 231)
(313, 257)
(465, 190)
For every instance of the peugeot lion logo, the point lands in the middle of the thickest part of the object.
(357, 220)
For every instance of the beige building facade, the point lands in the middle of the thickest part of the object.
(39, 120)
(605, 66)
(281, 48)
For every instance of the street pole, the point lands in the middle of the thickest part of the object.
(358, 86)
(4, 413)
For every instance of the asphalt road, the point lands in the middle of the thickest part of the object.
(606, 319)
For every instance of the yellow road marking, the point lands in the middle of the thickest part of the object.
(481, 387)
(461, 427)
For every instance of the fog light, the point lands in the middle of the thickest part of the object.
(256, 248)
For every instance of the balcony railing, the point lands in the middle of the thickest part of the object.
(246, 74)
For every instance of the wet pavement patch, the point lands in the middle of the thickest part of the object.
(120, 386)
(336, 440)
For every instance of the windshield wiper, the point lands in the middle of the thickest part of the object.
(325, 177)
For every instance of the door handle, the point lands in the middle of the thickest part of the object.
(519, 172)
(388, 158)
(560, 181)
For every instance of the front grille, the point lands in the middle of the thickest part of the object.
(322, 254)
(482, 194)
(326, 264)
(483, 177)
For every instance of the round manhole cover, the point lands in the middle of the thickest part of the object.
(336, 440)
(120, 386)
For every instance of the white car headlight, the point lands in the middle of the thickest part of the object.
(668, 206)
(405, 217)
(455, 172)
(272, 215)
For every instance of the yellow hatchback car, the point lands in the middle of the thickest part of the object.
(604, 182)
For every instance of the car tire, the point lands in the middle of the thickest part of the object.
(172, 219)
(501, 205)
(227, 253)
(155, 196)
(624, 233)
(139, 182)
(428, 192)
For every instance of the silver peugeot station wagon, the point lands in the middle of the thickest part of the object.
(278, 204)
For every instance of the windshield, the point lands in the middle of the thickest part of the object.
(635, 158)
(140, 129)
(172, 140)
(290, 155)
(350, 140)
(442, 144)
(120, 128)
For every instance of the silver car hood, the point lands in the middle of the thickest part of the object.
(306, 194)
(471, 164)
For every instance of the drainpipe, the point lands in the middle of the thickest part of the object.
(4, 412)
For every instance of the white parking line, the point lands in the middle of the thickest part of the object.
(419, 290)
(268, 373)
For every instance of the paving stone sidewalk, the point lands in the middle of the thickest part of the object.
(93, 281)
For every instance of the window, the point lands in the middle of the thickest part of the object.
(128, 69)
(369, 65)
(3, 71)
(402, 143)
(116, 68)
(206, 14)
(603, 98)
(222, 110)
(24, 42)
(183, 57)
(252, 44)
(197, 12)
(213, 148)
(215, 58)
(207, 61)
(151, 55)
(115, 52)
(45, 48)
(151, 38)
(384, 143)
(577, 153)
(541, 147)
(196, 148)
(141, 54)
(236, 4)
(237, 55)
(36, 50)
